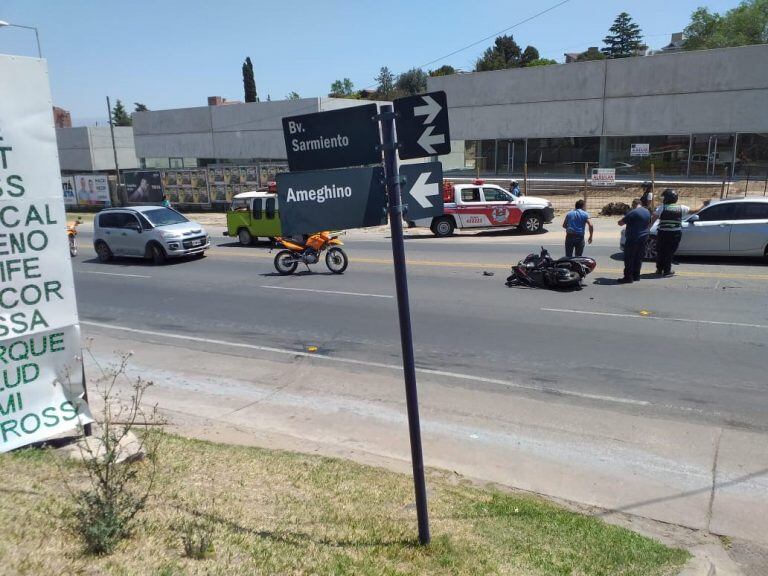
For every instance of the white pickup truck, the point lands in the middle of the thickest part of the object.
(481, 205)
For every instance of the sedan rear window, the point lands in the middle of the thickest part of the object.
(164, 217)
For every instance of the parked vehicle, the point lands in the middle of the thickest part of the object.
(309, 252)
(154, 232)
(72, 235)
(543, 271)
(481, 205)
(737, 227)
(253, 215)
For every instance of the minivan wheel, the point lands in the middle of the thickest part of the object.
(157, 254)
(244, 237)
(103, 252)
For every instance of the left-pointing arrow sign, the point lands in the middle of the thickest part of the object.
(421, 190)
(427, 140)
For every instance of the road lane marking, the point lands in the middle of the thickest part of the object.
(326, 291)
(497, 266)
(649, 317)
(112, 274)
(368, 364)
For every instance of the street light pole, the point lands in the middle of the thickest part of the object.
(3, 24)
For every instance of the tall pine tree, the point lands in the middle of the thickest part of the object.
(625, 38)
(249, 82)
(120, 115)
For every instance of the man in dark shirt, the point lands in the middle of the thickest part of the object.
(638, 221)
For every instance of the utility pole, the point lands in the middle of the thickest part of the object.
(114, 148)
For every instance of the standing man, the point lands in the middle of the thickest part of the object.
(514, 189)
(638, 221)
(670, 216)
(575, 222)
(647, 198)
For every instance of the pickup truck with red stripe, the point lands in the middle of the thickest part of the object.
(481, 205)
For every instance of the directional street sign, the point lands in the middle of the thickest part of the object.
(335, 139)
(422, 125)
(422, 189)
(319, 200)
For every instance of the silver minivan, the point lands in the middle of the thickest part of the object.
(154, 232)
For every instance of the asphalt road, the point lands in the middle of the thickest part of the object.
(691, 347)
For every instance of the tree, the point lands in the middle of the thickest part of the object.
(444, 70)
(505, 53)
(740, 26)
(139, 107)
(625, 38)
(293, 96)
(249, 82)
(120, 116)
(529, 55)
(342, 89)
(412, 82)
(541, 62)
(385, 84)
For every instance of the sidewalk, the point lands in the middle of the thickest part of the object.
(694, 475)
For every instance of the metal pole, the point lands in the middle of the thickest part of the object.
(88, 428)
(586, 181)
(114, 149)
(403, 308)
(765, 188)
(653, 185)
(37, 35)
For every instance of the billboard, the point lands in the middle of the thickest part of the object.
(640, 149)
(92, 189)
(603, 176)
(68, 190)
(143, 187)
(186, 186)
(41, 386)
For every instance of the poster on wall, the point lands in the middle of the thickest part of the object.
(41, 387)
(92, 189)
(187, 186)
(143, 187)
(68, 190)
(640, 149)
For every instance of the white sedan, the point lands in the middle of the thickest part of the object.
(737, 227)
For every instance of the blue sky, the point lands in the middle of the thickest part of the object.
(175, 53)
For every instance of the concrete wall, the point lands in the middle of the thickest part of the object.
(242, 131)
(707, 91)
(89, 148)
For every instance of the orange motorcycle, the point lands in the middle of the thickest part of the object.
(309, 252)
(72, 235)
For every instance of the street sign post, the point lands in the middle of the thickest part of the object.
(422, 125)
(335, 139)
(331, 199)
(422, 189)
(404, 312)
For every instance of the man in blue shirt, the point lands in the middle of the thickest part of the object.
(575, 222)
(638, 222)
(514, 189)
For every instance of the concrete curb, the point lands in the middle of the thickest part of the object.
(698, 566)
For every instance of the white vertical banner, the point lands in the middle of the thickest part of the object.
(41, 387)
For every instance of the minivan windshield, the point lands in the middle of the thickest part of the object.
(164, 217)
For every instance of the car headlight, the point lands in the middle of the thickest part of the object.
(170, 236)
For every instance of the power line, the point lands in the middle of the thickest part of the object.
(499, 33)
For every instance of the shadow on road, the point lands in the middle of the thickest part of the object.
(705, 260)
(119, 262)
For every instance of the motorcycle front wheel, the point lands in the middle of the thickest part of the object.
(569, 281)
(336, 260)
(285, 263)
(72, 246)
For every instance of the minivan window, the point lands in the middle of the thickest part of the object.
(718, 212)
(108, 220)
(257, 208)
(239, 204)
(144, 222)
(164, 217)
(126, 220)
(270, 209)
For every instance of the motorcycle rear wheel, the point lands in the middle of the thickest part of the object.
(573, 279)
(336, 260)
(285, 263)
(72, 246)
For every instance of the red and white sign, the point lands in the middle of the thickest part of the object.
(603, 176)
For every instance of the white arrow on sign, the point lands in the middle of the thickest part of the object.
(427, 139)
(421, 190)
(430, 110)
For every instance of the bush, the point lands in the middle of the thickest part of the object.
(197, 538)
(117, 488)
(615, 209)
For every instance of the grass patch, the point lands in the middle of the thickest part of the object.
(271, 512)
